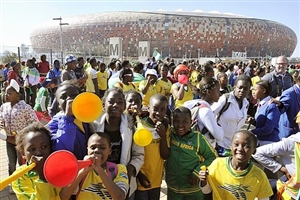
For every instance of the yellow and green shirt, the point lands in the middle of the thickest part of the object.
(153, 166)
(93, 187)
(102, 80)
(29, 186)
(151, 91)
(250, 183)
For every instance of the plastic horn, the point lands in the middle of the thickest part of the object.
(87, 107)
(211, 183)
(61, 168)
(142, 136)
(15, 176)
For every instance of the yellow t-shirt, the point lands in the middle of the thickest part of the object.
(230, 184)
(151, 91)
(89, 82)
(163, 87)
(153, 166)
(188, 95)
(94, 189)
(125, 87)
(193, 77)
(255, 79)
(102, 80)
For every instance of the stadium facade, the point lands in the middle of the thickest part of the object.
(175, 34)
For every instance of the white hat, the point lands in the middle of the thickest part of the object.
(15, 85)
(70, 58)
(151, 72)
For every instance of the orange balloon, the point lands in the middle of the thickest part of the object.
(87, 107)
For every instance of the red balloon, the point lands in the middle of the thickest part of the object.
(61, 168)
(183, 79)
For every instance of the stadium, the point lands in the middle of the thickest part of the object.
(173, 34)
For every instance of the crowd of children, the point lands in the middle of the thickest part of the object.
(191, 125)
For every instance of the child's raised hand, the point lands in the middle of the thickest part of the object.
(90, 167)
(68, 110)
(203, 176)
(160, 129)
(39, 168)
(144, 181)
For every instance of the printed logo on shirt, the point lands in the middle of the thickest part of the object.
(123, 175)
(238, 191)
(99, 190)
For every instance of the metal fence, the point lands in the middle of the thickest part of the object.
(25, 52)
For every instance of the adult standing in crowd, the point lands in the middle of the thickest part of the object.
(280, 79)
(55, 75)
(31, 78)
(43, 66)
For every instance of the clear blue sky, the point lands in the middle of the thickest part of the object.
(18, 18)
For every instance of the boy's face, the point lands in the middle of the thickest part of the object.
(157, 110)
(114, 104)
(99, 147)
(181, 123)
(133, 101)
(242, 148)
(102, 68)
(37, 144)
(65, 98)
(164, 71)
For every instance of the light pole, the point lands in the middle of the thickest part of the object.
(61, 43)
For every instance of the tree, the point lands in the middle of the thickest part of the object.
(9, 56)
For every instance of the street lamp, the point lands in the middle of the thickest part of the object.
(61, 43)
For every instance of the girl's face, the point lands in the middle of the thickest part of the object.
(115, 104)
(242, 148)
(29, 64)
(259, 92)
(99, 147)
(241, 89)
(181, 123)
(65, 96)
(11, 95)
(164, 71)
(37, 144)
(133, 101)
(56, 64)
(102, 68)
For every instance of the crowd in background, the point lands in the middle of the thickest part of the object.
(194, 111)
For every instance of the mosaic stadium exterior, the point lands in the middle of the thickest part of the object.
(175, 34)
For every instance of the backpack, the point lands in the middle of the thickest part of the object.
(225, 107)
(194, 112)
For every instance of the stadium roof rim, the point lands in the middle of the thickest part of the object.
(191, 13)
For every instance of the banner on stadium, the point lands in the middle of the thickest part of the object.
(236, 54)
(144, 51)
(115, 47)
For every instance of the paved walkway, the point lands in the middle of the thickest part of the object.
(4, 194)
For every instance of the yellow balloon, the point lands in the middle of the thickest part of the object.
(87, 107)
(142, 137)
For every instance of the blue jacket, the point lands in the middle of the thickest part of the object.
(290, 99)
(66, 135)
(267, 118)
